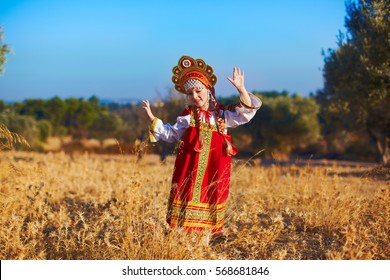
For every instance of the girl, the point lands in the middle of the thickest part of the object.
(201, 178)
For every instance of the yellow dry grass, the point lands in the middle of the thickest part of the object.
(8, 138)
(56, 206)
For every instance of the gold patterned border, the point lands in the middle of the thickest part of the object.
(200, 205)
(201, 224)
(204, 126)
(190, 214)
(202, 163)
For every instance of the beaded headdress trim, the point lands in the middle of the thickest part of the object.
(190, 68)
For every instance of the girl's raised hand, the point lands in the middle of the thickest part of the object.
(238, 79)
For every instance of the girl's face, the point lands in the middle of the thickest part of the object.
(199, 97)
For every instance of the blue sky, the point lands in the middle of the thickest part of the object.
(126, 49)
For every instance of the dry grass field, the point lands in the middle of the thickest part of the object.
(56, 206)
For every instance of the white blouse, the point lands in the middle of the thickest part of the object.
(172, 133)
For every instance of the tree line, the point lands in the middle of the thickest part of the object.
(286, 124)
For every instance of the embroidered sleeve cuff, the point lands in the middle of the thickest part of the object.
(152, 128)
(255, 104)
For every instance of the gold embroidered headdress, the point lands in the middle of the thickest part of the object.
(190, 68)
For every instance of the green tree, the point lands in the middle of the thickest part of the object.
(79, 115)
(45, 129)
(285, 123)
(56, 108)
(4, 49)
(34, 107)
(86, 114)
(357, 75)
(105, 125)
(2, 106)
(21, 124)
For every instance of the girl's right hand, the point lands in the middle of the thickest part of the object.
(147, 109)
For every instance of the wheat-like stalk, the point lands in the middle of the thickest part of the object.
(8, 138)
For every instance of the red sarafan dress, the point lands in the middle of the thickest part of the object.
(201, 177)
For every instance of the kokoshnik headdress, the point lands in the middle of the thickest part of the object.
(190, 68)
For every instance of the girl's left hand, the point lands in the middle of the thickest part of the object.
(238, 79)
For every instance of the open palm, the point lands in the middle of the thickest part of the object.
(238, 78)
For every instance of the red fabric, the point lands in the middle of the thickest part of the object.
(200, 187)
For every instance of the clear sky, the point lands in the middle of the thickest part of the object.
(126, 49)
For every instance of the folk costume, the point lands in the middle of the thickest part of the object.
(201, 178)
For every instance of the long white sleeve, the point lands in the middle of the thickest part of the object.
(172, 133)
(167, 132)
(242, 115)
